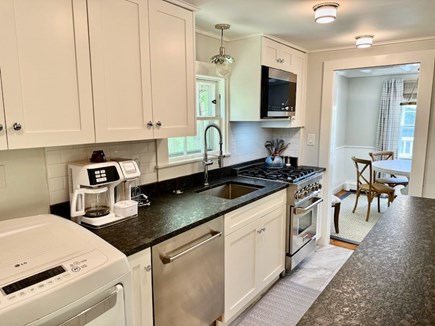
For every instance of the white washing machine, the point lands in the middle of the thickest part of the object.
(55, 272)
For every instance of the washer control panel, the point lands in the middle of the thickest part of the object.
(49, 278)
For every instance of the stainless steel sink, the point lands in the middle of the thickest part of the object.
(230, 190)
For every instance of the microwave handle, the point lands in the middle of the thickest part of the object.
(298, 211)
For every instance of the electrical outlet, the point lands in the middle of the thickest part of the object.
(311, 139)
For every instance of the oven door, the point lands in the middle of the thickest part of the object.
(303, 222)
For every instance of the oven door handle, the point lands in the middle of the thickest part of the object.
(302, 210)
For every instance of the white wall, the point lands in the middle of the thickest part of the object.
(23, 183)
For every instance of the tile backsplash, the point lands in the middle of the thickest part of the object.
(57, 159)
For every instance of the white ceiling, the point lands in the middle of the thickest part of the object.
(390, 21)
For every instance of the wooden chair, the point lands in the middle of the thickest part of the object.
(391, 181)
(336, 203)
(371, 188)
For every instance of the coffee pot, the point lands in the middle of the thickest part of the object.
(90, 202)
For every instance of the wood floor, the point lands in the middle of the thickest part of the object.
(343, 244)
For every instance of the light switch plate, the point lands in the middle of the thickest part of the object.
(311, 139)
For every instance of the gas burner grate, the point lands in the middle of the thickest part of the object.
(286, 174)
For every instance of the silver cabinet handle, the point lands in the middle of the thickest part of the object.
(259, 231)
(150, 124)
(17, 126)
(263, 229)
(302, 210)
(158, 124)
(148, 268)
(169, 259)
(1, 127)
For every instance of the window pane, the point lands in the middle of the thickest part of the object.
(206, 95)
(176, 146)
(406, 138)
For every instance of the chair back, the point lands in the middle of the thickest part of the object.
(384, 155)
(363, 166)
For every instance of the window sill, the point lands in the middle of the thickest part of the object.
(187, 161)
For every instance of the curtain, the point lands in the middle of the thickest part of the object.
(388, 131)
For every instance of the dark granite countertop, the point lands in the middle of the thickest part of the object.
(390, 278)
(171, 214)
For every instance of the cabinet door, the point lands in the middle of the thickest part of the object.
(276, 55)
(141, 289)
(120, 69)
(45, 72)
(271, 250)
(240, 266)
(172, 69)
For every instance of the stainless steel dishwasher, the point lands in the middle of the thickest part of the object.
(188, 277)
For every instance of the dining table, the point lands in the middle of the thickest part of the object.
(396, 167)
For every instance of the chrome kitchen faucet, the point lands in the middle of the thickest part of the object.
(206, 162)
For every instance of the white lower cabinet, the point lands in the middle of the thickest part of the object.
(140, 264)
(254, 255)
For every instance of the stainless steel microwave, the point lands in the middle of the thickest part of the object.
(278, 93)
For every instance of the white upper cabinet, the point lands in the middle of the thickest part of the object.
(120, 64)
(276, 55)
(44, 62)
(172, 69)
(51, 48)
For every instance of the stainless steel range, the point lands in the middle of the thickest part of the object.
(303, 199)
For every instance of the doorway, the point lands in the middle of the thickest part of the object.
(354, 133)
(328, 105)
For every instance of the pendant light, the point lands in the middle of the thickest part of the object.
(222, 61)
(325, 12)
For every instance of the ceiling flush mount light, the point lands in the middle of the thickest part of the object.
(364, 41)
(222, 61)
(325, 12)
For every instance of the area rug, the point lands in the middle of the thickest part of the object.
(283, 305)
(353, 226)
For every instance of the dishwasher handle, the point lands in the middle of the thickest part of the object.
(169, 259)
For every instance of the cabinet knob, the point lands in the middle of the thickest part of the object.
(150, 124)
(148, 268)
(158, 124)
(1, 127)
(259, 231)
(17, 126)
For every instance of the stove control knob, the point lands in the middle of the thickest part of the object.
(320, 186)
(305, 193)
(297, 195)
